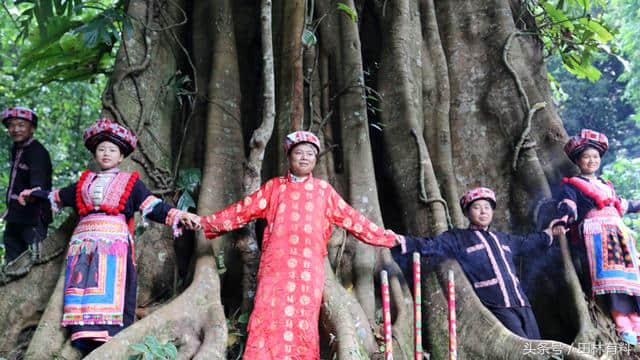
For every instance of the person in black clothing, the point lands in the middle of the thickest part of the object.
(486, 257)
(26, 226)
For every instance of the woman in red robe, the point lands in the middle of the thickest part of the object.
(300, 211)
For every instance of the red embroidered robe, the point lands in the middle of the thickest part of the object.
(300, 215)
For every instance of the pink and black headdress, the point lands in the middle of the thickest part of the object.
(587, 138)
(477, 194)
(298, 137)
(19, 113)
(106, 130)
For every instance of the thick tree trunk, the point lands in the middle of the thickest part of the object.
(415, 101)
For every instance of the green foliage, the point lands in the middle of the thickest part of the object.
(600, 106)
(237, 326)
(152, 349)
(625, 15)
(64, 109)
(624, 175)
(188, 181)
(68, 40)
(574, 30)
(353, 14)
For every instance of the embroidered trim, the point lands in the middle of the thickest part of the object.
(91, 319)
(506, 264)
(624, 206)
(14, 169)
(148, 204)
(496, 269)
(481, 284)
(102, 336)
(473, 248)
(113, 204)
(596, 194)
(54, 200)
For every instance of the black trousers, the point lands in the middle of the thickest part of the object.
(18, 237)
(520, 320)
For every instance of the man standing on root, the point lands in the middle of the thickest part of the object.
(26, 226)
(486, 257)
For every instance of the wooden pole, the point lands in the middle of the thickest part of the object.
(417, 306)
(386, 316)
(453, 345)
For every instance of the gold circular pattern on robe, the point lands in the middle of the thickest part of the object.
(289, 310)
(306, 276)
(305, 300)
(308, 206)
(288, 335)
(307, 228)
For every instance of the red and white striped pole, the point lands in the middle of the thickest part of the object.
(386, 316)
(417, 306)
(453, 345)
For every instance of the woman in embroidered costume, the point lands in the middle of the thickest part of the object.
(100, 279)
(300, 211)
(592, 206)
(486, 257)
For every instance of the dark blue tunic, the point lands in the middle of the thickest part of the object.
(486, 257)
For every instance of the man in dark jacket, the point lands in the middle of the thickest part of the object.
(26, 226)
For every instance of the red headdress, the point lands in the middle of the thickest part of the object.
(587, 138)
(19, 113)
(298, 137)
(106, 130)
(477, 194)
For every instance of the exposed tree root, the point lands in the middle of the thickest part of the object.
(194, 321)
(349, 334)
(480, 334)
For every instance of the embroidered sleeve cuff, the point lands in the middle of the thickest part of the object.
(54, 200)
(148, 204)
(403, 244)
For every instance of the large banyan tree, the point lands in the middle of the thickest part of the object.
(414, 100)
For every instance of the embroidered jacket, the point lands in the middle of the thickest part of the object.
(579, 196)
(125, 194)
(30, 168)
(486, 257)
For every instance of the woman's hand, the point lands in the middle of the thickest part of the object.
(191, 221)
(24, 195)
(557, 227)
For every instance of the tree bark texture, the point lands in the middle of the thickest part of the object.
(415, 101)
